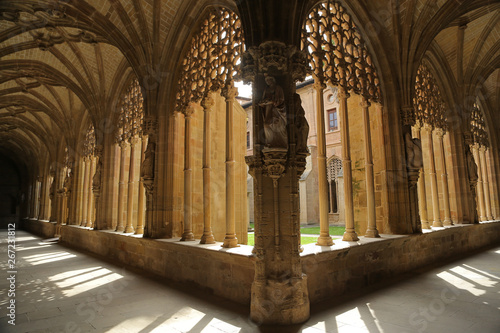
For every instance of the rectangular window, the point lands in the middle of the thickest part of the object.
(333, 124)
(248, 140)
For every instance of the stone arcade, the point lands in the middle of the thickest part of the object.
(121, 134)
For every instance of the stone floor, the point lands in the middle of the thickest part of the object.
(62, 290)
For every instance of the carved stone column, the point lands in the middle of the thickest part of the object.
(188, 178)
(207, 237)
(91, 210)
(422, 198)
(131, 181)
(59, 214)
(141, 213)
(85, 192)
(230, 239)
(324, 238)
(279, 291)
(350, 234)
(371, 230)
(150, 128)
(122, 213)
(97, 188)
(434, 186)
(480, 186)
(444, 179)
(52, 196)
(486, 185)
(472, 176)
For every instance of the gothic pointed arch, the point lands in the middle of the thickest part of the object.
(337, 51)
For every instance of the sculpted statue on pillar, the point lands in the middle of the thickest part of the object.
(147, 166)
(413, 146)
(471, 167)
(301, 124)
(273, 105)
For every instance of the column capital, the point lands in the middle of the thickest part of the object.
(428, 127)
(418, 125)
(364, 103)
(123, 144)
(188, 112)
(230, 92)
(439, 132)
(319, 85)
(134, 140)
(482, 148)
(207, 103)
(342, 93)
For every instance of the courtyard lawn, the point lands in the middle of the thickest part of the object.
(339, 231)
(303, 240)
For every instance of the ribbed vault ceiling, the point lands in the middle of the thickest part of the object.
(62, 61)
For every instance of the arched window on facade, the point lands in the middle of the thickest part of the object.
(334, 169)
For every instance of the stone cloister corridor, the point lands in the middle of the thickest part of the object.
(147, 132)
(64, 290)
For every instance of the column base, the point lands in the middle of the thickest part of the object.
(230, 241)
(372, 233)
(324, 241)
(187, 236)
(350, 236)
(425, 224)
(447, 223)
(120, 229)
(207, 239)
(129, 230)
(437, 224)
(280, 302)
(139, 231)
(89, 225)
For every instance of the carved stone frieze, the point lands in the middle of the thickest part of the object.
(274, 163)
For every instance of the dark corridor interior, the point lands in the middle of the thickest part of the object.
(11, 195)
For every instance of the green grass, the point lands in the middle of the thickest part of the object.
(304, 240)
(339, 231)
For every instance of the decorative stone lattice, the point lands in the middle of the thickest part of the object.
(213, 57)
(333, 169)
(337, 52)
(89, 142)
(130, 121)
(478, 127)
(428, 103)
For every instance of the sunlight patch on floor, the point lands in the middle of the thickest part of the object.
(50, 258)
(184, 320)
(460, 283)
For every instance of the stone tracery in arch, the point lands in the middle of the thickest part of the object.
(428, 102)
(213, 56)
(478, 127)
(337, 51)
(131, 118)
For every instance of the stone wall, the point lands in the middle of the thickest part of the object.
(229, 272)
(354, 267)
(224, 272)
(43, 229)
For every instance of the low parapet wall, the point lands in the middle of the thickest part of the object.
(353, 267)
(229, 273)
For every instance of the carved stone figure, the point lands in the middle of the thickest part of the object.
(68, 181)
(96, 180)
(471, 166)
(273, 105)
(301, 124)
(414, 160)
(147, 166)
